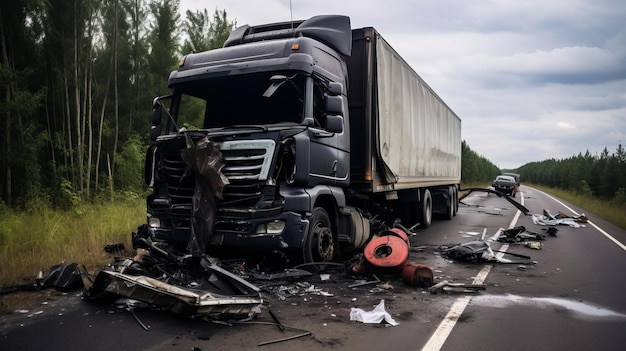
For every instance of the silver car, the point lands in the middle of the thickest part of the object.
(506, 185)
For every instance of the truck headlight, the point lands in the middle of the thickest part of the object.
(275, 227)
(154, 222)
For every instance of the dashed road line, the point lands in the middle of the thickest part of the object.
(444, 329)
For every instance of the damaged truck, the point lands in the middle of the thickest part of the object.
(298, 138)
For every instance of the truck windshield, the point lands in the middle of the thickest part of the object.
(240, 100)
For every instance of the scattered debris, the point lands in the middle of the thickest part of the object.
(193, 286)
(581, 218)
(365, 282)
(479, 251)
(304, 333)
(533, 245)
(389, 253)
(64, 277)
(551, 231)
(455, 287)
(375, 316)
(416, 274)
(518, 235)
(114, 248)
(517, 205)
(548, 219)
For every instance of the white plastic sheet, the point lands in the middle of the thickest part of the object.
(377, 315)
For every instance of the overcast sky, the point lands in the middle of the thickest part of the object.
(531, 80)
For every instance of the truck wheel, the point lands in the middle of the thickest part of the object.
(320, 242)
(450, 204)
(426, 209)
(456, 199)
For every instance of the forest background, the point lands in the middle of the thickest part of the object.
(77, 79)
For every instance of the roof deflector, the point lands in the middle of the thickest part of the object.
(332, 30)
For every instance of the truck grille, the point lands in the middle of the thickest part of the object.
(247, 165)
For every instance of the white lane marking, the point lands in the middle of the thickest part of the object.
(444, 329)
(588, 222)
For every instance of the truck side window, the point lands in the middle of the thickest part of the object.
(319, 115)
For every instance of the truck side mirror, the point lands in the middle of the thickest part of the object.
(334, 123)
(335, 88)
(157, 110)
(333, 105)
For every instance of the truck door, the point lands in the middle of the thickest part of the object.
(329, 159)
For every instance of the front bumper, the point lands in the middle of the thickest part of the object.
(236, 233)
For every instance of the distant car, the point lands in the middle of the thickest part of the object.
(514, 175)
(506, 185)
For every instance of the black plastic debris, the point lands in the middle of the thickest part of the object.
(551, 231)
(519, 235)
(114, 248)
(479, 251)
(64, 277)
(473, 251)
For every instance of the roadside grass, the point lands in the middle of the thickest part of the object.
(34, 241)
(602, 208)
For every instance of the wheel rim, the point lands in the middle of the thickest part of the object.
(323, 244)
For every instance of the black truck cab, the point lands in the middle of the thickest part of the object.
(272, 102)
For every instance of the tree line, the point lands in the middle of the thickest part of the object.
(475, 168)
(77, 79)
(601, 176)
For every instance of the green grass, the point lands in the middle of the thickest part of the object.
(33, 241)
(602, 208)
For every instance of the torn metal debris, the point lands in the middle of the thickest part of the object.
(205, 158)
(548, 219)
(387, 253)
(517, 205)
(416, 274)
(192, 286)
(518, 235)
(479, 251)
(212, 302)
(447, 286)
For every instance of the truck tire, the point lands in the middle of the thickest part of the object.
(426, 209)
(456, 199)
(450, 204)
(320, 241)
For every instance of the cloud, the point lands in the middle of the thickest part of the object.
(531, 80)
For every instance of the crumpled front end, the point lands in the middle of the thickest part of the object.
(246, 213)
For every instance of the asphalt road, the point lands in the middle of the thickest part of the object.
(571, 299)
